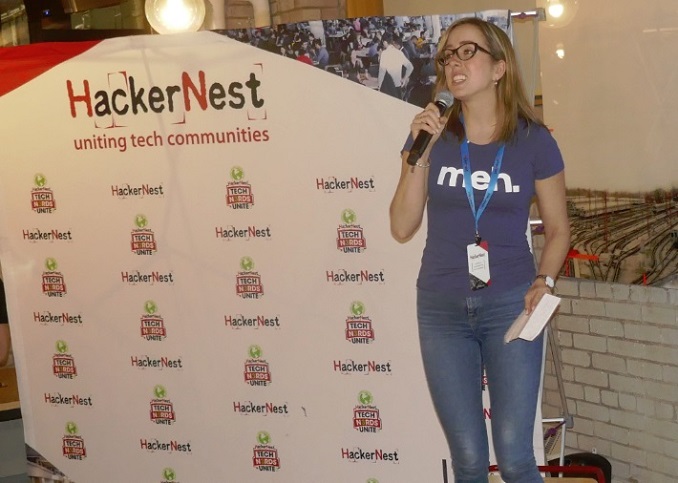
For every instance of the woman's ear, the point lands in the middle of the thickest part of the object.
(499, 70)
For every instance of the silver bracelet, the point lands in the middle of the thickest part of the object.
(422, 165)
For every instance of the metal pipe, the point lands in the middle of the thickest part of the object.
(540, 13)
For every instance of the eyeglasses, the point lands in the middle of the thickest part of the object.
(463, 52)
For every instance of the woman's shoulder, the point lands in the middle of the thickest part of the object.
(534, 132)
(536, 141)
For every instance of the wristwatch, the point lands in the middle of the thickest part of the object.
(548, 281)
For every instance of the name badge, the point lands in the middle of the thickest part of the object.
(478, 265)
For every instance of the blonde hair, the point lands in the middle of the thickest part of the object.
(511, 98)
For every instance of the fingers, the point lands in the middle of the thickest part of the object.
(428, 120)
(533, 296)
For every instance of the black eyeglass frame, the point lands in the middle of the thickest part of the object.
(445, 59)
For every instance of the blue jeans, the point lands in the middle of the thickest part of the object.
(458, 336)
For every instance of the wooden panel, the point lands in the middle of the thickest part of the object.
(9, 393)
(364, 8)
(71, 6)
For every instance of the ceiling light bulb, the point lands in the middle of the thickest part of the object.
(556, 9)
(174, 16)
(559, 13)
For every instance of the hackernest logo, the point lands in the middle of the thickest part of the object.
(191, 92)
(332, 184)
(46, 317)
(125, 190)
(265, 455)
(349, 366)
(42, 198)
(359, 328)
(72, 445)
(246, 233)
(74, 400)
(169, 476)
(53, 284)
(239, 194)
(135, 277)
(257, 370)
(162, 409)
(342, 276)
(37, 235)
(172, 446)
(246, 408)
(162, 362)
(379, 455)
(63, 364)
(350, 237)
(152, 323)
(366, 417)
(143, 239)
(258, 321)
(248, 282)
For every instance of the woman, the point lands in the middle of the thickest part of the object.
(477, 273)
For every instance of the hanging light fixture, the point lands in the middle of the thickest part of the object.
(556, 9)
(559, 12)
(175, 16)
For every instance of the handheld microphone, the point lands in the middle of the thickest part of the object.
(443, 101)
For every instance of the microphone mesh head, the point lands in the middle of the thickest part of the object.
(445, 97)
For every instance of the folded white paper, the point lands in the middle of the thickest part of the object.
(530, 326)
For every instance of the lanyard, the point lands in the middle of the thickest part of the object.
(494, 176)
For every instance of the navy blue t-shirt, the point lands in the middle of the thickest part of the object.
(533, 155)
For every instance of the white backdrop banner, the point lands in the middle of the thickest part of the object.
(200, 276)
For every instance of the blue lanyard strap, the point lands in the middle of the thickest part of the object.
(494, 176)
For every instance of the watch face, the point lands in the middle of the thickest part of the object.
(548, 281)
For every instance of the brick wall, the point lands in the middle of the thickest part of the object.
(619, 358)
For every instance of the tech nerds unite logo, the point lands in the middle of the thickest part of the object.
(366, 417)
(143, 240)
(152, 323)
(53, 284)
(257, 370)
(350, 237)
(265, 455)
(42, 198)
(72, 445)
(239, 194)
(162, 409)
(248, 282)
(63, 364)
(358, 326)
